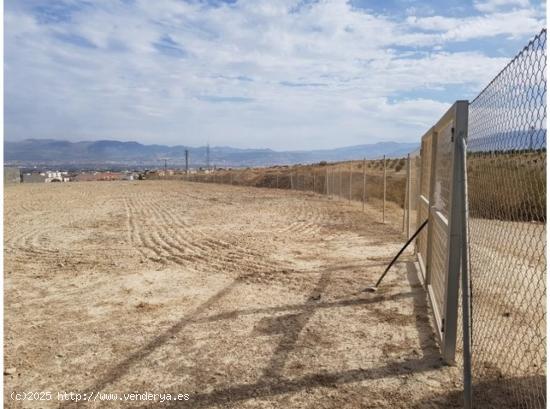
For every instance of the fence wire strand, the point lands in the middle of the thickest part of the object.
(506, 166)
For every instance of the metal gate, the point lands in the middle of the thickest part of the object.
(439, 198)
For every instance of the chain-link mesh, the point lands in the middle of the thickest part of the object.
(352, 181)
(441, 194)
(412, 193)
(439, 206)
(507, 233)
(424, 197)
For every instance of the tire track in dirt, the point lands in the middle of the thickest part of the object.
(163, 237)
(136, 240)
(42, 240)
(171, 237)
(307, 219)
(39, 243)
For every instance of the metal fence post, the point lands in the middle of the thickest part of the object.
(384, 200)
(466, 340)
(455, 234)
(326, 181)
(340, 192)
(332, 186)
(350, 179)
(410, 204)
(429, 248)
(364, 181)
(405, 204)
(408, 194)
(331, 181)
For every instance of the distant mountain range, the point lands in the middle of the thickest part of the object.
(104, 153)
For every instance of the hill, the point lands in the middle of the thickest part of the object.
(50, 151)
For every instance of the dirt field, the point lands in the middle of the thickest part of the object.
(240, 297)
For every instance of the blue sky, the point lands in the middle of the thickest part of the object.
(289, 74)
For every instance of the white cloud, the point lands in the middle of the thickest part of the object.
(495, 5)
(513, 24)
(257, 73)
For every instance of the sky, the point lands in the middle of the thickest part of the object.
(280, 74)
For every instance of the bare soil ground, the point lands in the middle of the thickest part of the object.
(240, 297)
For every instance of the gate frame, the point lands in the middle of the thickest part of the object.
(446, 320)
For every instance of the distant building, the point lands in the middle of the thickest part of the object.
(56, 176)
(34, 178)
(131, 176)
(12, 175)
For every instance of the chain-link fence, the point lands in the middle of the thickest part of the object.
(377, 185)
(486, 207)
(504, 240)
(507, 233)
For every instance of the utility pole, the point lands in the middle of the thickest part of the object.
(208, 156)
(165, 166)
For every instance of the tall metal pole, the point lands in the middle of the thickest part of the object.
(384, 201)
(364, 181)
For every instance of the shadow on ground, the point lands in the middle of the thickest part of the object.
(272, 383)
